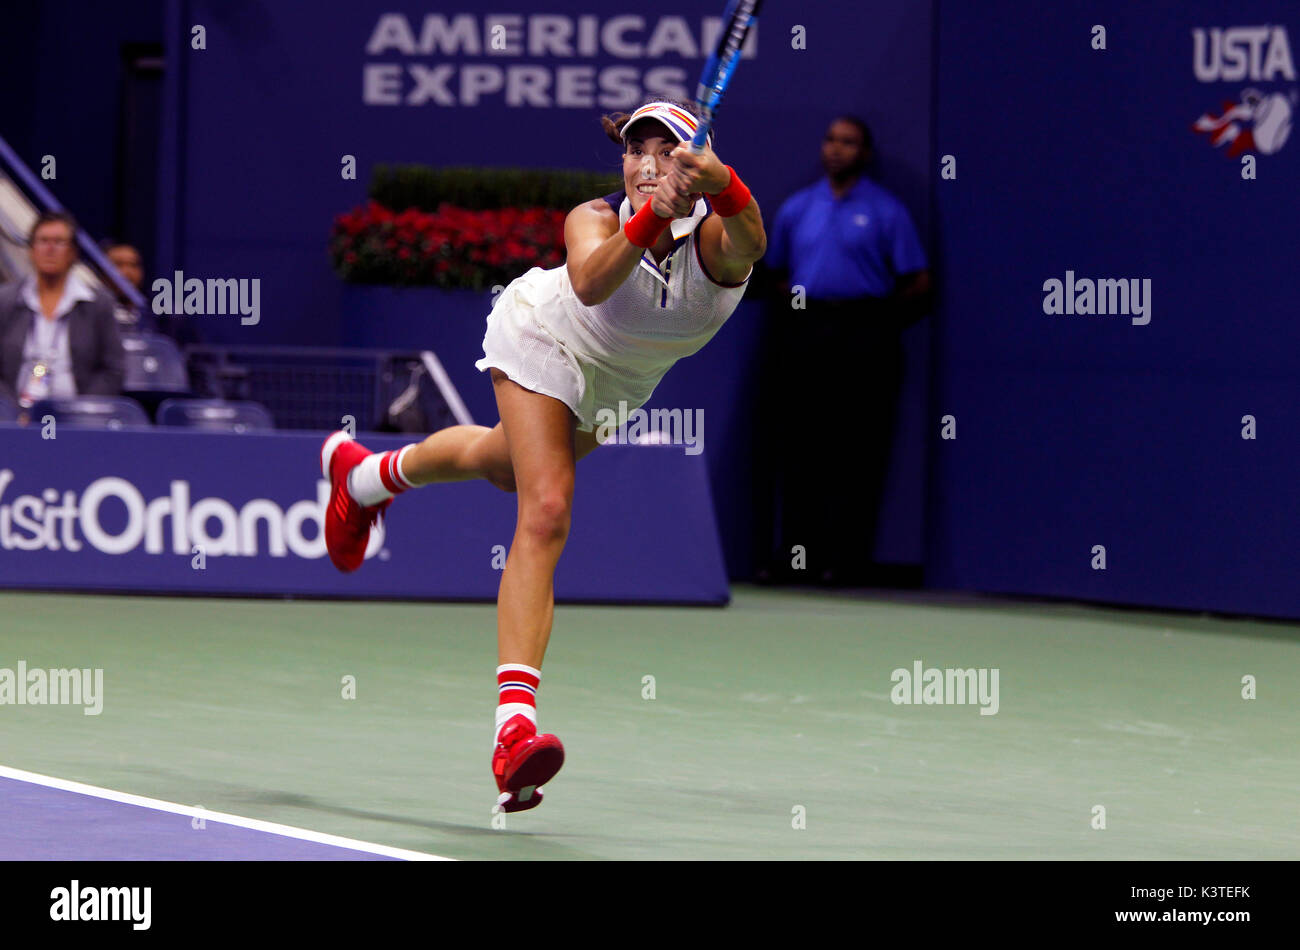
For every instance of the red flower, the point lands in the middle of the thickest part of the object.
(450, 247)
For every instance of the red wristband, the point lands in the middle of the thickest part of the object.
(733, 199)
(644, 227)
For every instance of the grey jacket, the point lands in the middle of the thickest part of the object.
(94, 343)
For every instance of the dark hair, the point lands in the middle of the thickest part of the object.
(108, 245)
(49, 217)
(614, 122)
(867, 141)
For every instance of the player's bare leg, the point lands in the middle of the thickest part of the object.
(533, 451)
(543, 449)
(462, 453)
(458, 454)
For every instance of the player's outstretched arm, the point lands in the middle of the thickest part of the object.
(599, 255)
(731, 245)
(743, 239)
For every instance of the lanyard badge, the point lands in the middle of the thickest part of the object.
(38, 385)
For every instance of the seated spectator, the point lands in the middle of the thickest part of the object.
(128, 262)
(58, 338)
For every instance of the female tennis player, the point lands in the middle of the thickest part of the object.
(651, 273)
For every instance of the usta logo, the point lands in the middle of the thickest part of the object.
(1257, 53)
(1259, 120)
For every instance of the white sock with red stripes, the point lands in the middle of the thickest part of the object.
(379, 477)
(516, 694)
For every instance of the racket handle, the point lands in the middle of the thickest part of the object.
(701, 136)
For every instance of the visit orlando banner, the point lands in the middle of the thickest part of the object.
(211, 513)
(1117, 376)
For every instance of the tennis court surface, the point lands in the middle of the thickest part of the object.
(765, 730)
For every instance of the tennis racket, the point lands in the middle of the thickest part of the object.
(738, 17)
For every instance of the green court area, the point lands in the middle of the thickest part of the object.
(771, 733)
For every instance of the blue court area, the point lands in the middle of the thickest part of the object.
(41, 823)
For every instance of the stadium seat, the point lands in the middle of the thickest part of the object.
(215, 414)
(98, 412)
(153, 365)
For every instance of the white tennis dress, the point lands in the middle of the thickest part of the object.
(591, 358)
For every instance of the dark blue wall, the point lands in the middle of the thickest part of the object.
(1083, 430)
(61, 61)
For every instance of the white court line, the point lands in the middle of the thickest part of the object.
(254, 824)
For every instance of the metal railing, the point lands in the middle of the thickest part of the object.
(317, 387)
(96, 265)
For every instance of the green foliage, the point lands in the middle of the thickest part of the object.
(476, 189)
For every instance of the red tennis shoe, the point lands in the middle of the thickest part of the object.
(522, 763)
(347, 521)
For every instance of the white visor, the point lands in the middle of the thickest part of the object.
(679, 122)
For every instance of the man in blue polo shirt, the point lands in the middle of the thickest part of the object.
(849, 249)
